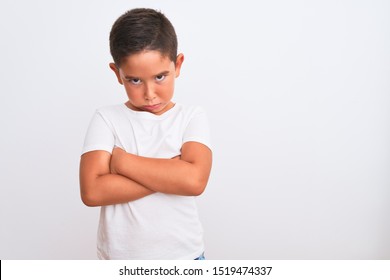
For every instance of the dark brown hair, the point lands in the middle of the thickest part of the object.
(142, 29)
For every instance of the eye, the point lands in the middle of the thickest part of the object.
(135, 81)
(160, 78)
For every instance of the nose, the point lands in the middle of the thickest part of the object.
(149, 93)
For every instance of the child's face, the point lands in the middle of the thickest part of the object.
(149, 80)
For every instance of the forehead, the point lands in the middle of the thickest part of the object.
(146, 63)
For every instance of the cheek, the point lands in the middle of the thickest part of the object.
(169, 89)
(168, 92)
(133, 93)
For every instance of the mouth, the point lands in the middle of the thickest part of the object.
(152, 107)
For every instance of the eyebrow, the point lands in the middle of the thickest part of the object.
(163, 73)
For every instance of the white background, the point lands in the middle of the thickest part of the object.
(298, 96)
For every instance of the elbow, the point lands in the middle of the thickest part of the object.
(198, 191)
(88, 197)
(197, 187)
(197, 183)
(89, 200)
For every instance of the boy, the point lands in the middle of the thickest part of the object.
(145, 161)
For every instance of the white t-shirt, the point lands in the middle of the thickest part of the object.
(158, 226)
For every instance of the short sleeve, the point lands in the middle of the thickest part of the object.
(198, 129)
(99, 135)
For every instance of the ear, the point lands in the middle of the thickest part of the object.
(116, 71)
(179, 62)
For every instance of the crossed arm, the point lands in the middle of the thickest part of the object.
(107, 179)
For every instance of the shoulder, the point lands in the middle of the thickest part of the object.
(196, 126)
(190, 110)
(111, 112)
(183, 115)
(111, 109)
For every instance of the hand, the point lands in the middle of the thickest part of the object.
(116, 155)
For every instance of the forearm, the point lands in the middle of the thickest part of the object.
(111, 189)
(172, 176)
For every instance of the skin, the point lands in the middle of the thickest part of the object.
(148, 78)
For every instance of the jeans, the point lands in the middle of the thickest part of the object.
(201, 258)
